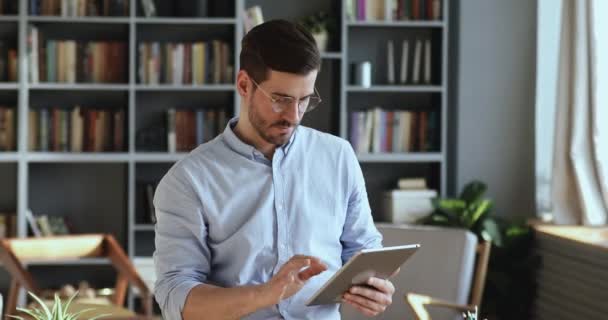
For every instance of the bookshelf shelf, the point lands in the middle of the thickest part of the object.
(143, 227)
(9, 18)
(9, 156)
(159, 156)
(169, 87)
(87, 19)
(77, 157)
(186, 21)
(70, 262)
(80, 86)
(9, 86)
(396, 24)
(394, 88)
(401, 157)
(331, 55)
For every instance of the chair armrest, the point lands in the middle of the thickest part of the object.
(418, 302)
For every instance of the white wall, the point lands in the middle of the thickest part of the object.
(493, 79)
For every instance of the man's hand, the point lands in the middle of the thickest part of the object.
(373, 298)
(292, 276)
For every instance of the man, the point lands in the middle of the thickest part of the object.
(252, 223)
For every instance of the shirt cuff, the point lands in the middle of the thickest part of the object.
(177, 299)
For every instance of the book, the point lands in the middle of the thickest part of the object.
(171, 138)
(417, 61)
(404, 61)
(390, 62)
(149, 8)
(412, 184)
(427, 61)
(31, 221)
(150, 189)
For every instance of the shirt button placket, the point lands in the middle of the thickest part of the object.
(280, 210)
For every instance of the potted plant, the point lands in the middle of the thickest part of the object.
(318, 25)
(510, 285)
(58, 311)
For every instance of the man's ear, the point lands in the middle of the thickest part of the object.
(243, 85)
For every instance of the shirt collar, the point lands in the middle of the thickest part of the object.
(245, 149)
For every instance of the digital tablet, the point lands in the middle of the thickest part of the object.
(380, 263)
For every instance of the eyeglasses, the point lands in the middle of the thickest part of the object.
(281, 103)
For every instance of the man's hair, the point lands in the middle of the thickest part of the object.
(279, 45)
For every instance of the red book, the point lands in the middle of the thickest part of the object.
(388, 142)
(416, 9)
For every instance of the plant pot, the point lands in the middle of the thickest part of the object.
(321, 40)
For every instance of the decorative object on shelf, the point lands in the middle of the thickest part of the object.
(363, 74)
(319, 25)
(58, 311)
(510, 284)
(252, 17)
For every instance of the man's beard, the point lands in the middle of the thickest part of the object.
(261, 126)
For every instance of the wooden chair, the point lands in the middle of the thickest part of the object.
(418, 302)
(15, 253)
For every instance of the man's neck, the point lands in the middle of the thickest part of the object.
(246, 133)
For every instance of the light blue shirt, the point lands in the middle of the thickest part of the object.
(228, 216)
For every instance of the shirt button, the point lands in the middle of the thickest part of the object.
(280, 207)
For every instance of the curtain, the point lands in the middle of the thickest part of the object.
(572, 111)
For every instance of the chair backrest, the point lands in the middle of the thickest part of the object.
(15, 253)
(442, 268)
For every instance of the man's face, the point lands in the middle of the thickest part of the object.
(277, 127)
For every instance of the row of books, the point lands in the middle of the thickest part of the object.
(373, 10)
(185, 63)
(8, 126)
(8, 225)
(78, 8)
(9, 7)
(378, 130)
(8, 61)
(76, 130)
(415, 65)
(186, 129)
(47, 225)
(75, 61)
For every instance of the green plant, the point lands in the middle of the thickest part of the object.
(58, 311)
(470, 211)
(510, 283)
(317, 23)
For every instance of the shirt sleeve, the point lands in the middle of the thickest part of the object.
(182, 256)
(359, 230)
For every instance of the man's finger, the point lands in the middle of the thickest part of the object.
(362, 309)
(382, 285)
(364, 303)
(313, 270)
